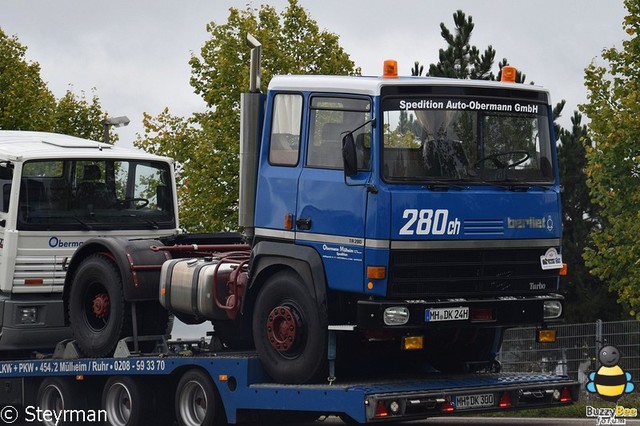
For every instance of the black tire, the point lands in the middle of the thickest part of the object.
(126, 401)
(290, 330)
(98, 313)
(197, 402)
(56, 394)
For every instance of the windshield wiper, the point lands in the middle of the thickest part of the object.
(84, 224)
(515, 185)
(444, 184)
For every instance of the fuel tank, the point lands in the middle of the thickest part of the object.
(186, 286)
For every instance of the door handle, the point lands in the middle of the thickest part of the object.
(303, 224)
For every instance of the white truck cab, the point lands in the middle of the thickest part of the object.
(57, 191)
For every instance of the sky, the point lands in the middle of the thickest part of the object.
(135, 53)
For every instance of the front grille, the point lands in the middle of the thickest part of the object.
(469, 272)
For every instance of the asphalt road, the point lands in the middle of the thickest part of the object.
(486, 421)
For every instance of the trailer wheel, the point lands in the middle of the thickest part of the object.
(197, 402)
(56, 394)
(126, 401)
(98, 313)
(289, 330)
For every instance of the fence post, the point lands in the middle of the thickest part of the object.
(599, 343)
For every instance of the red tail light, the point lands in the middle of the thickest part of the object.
(381, 409)
(447, 407)
(505, 400)
(565, 395)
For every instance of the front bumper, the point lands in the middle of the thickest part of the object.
(508, 311)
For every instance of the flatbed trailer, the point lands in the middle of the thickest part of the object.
(199, 389)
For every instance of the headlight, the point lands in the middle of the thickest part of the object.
(28, 315)
(396, 315)
(552, 309)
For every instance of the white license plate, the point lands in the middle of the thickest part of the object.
(474, 401)
(446, 314)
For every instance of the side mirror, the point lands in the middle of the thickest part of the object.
(349, 155)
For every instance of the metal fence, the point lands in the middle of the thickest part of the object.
(575, 352)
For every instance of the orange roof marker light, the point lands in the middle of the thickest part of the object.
(390, 68)
(508, 74)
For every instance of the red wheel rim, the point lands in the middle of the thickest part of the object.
(282, 328)
(100, 305)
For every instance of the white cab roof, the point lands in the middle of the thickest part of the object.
(371, 85)
(22, 146)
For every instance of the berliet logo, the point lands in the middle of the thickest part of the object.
(531, 223)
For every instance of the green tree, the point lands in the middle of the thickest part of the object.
(175, 137)
(462, 60)
(587, 297)
(78, 116)
(613, 169)
(26, 103)
(292, 44)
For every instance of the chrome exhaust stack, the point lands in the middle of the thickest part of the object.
(250, 130)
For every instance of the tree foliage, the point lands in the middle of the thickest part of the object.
(613, 168)
(460, 59)
(26, 103)
(587, 297)
(292, 44)
(79, 116)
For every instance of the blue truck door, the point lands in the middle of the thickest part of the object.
(331, 215)
(280, 166)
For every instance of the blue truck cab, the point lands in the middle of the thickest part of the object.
(422, 212)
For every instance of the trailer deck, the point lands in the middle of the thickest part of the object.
(243, 386)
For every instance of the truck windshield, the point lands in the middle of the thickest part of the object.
(95, 194)
(463, 139)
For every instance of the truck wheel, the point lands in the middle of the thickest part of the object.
(56, 394)
(289, 330)
(98, 313)
(197, 402)
(126, 401)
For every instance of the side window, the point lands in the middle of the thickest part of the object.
(331, 119)
(148, 179)
(38, 177)
(285, 130)
(6, 176)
